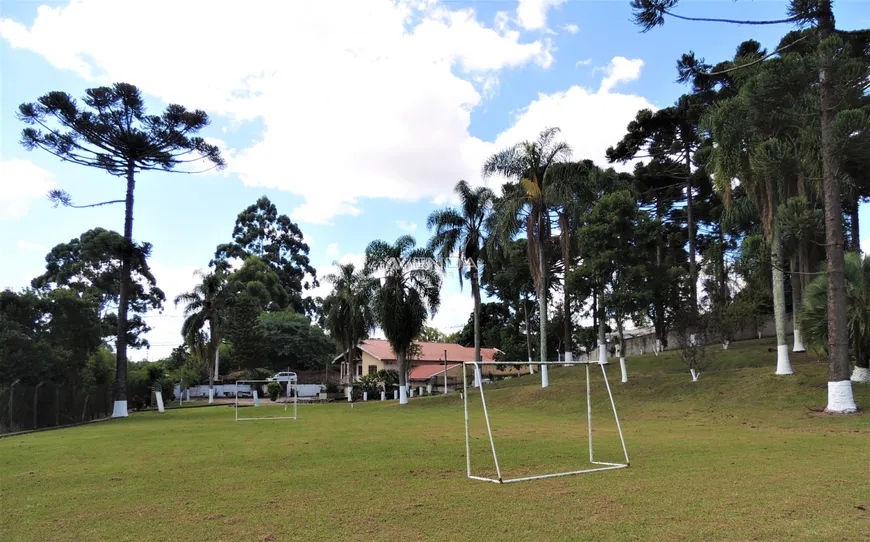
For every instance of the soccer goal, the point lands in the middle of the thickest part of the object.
(601, 465)
(281, 410)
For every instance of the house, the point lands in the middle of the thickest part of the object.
(427, 365)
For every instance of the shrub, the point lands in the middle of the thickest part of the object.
(273, 390)
(331, 386)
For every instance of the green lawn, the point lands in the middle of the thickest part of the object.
(739, 455)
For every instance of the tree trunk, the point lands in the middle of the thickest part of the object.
(565, 238)
(120, 407)
(528, 328)
(622, 368)
(403, 381)
(542, 303)
(475, 293)
(594, 309)
(693, 272)
(796, 293)
(783, 364)
(602, 336)
(840, 397)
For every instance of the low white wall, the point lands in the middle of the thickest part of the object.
(305, 390)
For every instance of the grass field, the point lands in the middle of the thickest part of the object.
(739, 455)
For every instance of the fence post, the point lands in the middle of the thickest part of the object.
(35, 398)
(56, 405)
(11, 395)
(85, 409)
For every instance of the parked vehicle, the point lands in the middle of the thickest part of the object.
(283, 376)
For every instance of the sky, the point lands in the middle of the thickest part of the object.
(355, 117)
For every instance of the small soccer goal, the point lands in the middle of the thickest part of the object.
(601, 465)
(285, 407)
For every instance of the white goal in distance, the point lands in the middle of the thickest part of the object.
(287, 397)
(502, 480)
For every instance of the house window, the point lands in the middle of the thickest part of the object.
(373, 369)
(359, 370)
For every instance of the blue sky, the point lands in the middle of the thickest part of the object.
(355, 117)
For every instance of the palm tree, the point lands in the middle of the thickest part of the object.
(410, 291)
(206, 305)
(814, 316)
(461, 233)
(524, 206)
(347, 310)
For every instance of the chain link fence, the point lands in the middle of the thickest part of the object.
(25, 407)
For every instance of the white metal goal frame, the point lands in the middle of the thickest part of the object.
(501, 480)
(292, 393)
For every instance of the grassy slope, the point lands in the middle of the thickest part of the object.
(739, 455)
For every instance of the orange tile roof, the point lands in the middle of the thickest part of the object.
(429, 352)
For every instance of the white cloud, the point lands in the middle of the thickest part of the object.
(404, 225)
(165, 331)
(583, 63)
(381, 92)
(21, 182)
(358, 260)
(332, 250)
(590, 121)
(620, 70)
(532, 14)
(36, 247)
(571, 28)
(865, 246)
(454, 311)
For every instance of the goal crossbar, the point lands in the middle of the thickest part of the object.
(604, 466)
(292, 393)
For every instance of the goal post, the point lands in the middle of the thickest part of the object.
(289, 398)
(601, 465)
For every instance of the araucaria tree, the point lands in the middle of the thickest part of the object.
(410, 292)
(460, 234)
(524, 206)
(347, 311)
(111, 131)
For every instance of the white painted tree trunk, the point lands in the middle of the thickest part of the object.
(403, 395)
(119, 409)
(211, 395)
(569, 358)
(383, 396)
(217, 361)
(783, 363)
(695, 375)
(840, 398)
(623, 370)
(602, 353)
(531, 366)
(159, 397)
(798, 343)
(476, 382)
(545, 376)
(395, 395)
(861, 374)
(429, 388)
(365, 396)
(350, 393)
(411, 393)
(725, 345)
